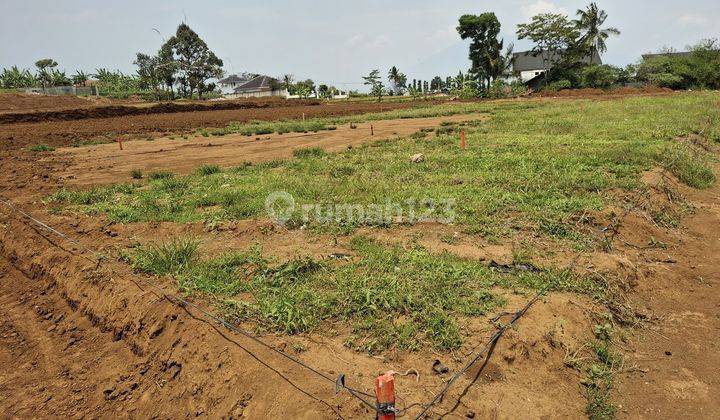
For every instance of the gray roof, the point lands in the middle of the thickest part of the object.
(257, 84)
(529, 60)
(233, 78)
(667, 54)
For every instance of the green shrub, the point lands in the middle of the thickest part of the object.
(208, 169)
(164, 258)
(698, 69)
(499, 89)
(160, 175)
(599, 76)
(136, 174)
(41, 148)
(559, 85)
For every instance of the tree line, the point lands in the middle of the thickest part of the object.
(182, 67)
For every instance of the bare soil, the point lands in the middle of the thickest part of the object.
(106, 163)
(109, 128)
(81, 339)
(21, 102)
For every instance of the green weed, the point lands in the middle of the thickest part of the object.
(208, 170)
(41, 148)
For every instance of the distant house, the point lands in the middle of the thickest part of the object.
(530, 66)
(260, 86)
(228, 84)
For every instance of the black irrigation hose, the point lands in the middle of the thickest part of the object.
(479, 355)
(339, 382)
(185, 303)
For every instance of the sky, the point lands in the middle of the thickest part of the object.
(330, 41)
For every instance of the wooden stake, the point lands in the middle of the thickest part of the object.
(120, 143)
(462, 139)
(372, 130)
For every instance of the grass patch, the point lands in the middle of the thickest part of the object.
(309, 152)
(41, 148)
(600, 375)
(255, 128)
(528, 167)
(391, 296)
(205, 170)
(690, 166)
(155, 175)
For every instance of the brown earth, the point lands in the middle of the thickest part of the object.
(110, 111)
(106, 163)
(21, 102)
(66, 133)
(78, 339)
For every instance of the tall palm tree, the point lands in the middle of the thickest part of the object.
(589, 22)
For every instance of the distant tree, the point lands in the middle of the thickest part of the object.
(288, 81)
(415, 84)
(593, 36)
(553, 35)
(44, 74)
(195, 62)
(376, 85)
(59, 78)
(436, 84)
(486, 50)
(426, 86)
(398, 81)
(79, 78)
(304, 88)
(15, 78)
(448, 83)
(166, 70)
(147, 72)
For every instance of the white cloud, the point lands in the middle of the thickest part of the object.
(541, 6)
(362, 41)
(446, 34)
(692, 19)
(355, 40)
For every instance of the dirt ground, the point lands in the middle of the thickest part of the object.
(20, 102)
(106, 163)
(15, 135)
(81, 339)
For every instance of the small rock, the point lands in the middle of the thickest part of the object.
(417, 158)
(470, 414)
(668, 353)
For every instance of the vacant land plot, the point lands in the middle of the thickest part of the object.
(397, 252)
(96, 125)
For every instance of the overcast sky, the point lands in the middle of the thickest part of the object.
(332, 41)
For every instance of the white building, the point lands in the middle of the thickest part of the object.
(259, 87)
(227, 85)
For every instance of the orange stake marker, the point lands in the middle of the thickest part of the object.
(462, 139)
(385, 394)
(120, 143)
